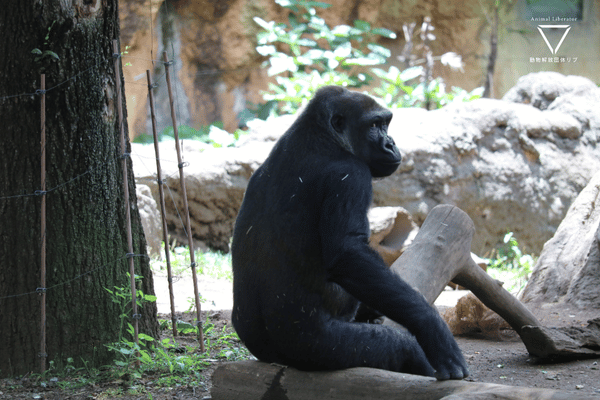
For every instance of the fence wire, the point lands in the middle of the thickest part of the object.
(24, 193)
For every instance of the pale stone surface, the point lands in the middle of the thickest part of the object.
(150, 215)
(510, 166)
(568, 269)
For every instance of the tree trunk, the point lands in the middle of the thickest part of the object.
(488, 91)
(86, 227)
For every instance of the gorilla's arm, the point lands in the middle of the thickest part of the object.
(357, 268)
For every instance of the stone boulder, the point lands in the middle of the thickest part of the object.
(150, 215)
(510, 166)
(568, 269)
(542, 88)
(215, 183)
(392, 231)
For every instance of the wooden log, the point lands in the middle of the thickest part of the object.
(565, 342)
(253, 380)
(438, 252)
(441, 252)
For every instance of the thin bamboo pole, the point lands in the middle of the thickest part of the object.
(135, 314)
(42, 290)
(162, 203)
(185, 203)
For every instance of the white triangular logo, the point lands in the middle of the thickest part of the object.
(567, 28)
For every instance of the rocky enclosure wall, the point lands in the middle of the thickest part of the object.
(514, 164)
(217, 69)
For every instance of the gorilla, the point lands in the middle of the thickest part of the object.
(301, 259)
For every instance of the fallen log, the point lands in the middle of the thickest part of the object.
(567, 342)
(441, 252)
(252, 380)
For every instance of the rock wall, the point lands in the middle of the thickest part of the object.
(509, 165)
(217, 69)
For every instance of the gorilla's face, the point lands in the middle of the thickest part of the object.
(380, 152)
(362, 126)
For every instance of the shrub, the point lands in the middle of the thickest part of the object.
(306, 54)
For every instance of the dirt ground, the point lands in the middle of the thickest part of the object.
(502, 361)
(507, 362)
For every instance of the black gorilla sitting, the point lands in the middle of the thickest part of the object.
(301, 259)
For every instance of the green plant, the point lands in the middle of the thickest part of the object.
(415, 86)
(121, 295)
(210, 263)
(407, 89)
(226, 344)
(67, 376)
(125, 52)
(128, 350)
(510, 265)
(212, 134)
(306, 53)
(43, 54)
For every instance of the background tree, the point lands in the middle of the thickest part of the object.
(71, 42)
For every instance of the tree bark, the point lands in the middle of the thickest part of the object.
(86, 231)
(248, 380)
(488, 91)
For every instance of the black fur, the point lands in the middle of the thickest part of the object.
(301, 259)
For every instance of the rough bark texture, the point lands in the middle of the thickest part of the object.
(247, 380)
(85, 214)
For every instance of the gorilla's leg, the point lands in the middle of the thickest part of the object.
(338, 345)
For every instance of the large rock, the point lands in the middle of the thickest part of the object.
(150, 215)
(541, 89)
(392, 231)
(569, 267)
(510, 166)
(215, 183)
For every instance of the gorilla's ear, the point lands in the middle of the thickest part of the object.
(337, 123)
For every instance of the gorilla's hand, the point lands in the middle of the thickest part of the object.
(447, 359)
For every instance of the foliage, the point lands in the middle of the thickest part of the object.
(169, 362)
(306, 53)
(127, 349)
(214, 264)
(43, 54)
(509, 264)
(212, 134)
(121, 295)
(406, 89)
(166, 364)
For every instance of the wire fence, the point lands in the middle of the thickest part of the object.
(43, 192)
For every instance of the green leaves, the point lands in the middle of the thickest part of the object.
(384, 32)
(406, 89)
(508, 264)
(306, 53)
(44, 54)
(297, 5)
(41, 55)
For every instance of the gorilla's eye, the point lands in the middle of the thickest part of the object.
(378, 124)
